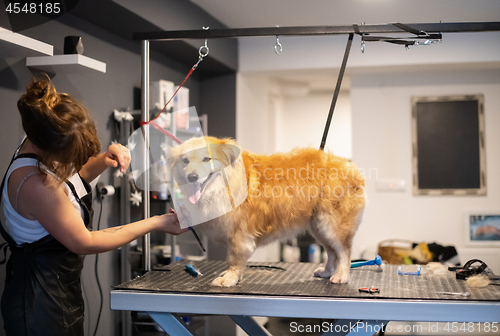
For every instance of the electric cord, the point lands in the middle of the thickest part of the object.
(101, 197)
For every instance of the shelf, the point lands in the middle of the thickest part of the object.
(17, 45)
(65, 63)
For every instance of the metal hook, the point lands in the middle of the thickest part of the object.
(363, 43)
(278, 47)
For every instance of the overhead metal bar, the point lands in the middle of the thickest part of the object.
(389, 28)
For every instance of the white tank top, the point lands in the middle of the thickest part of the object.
(24, 230)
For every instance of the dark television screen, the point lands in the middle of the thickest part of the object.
(448, 144)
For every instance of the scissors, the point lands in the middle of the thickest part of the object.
(371, 290)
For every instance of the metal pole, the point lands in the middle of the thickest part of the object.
(146, 240)
(125, 218)
(173, 239)
(336, 92)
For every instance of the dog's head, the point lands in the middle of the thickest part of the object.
(200, 162)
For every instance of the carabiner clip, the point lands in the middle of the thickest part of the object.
(204, 50)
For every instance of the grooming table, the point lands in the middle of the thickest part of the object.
(290, 290)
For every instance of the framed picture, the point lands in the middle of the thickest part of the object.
(449, 156)
(482, 228)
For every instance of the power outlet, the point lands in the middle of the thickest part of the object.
(104, 190)
(390, 185)
(99, 189)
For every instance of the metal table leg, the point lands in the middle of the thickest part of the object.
(170, 324)
(250, 326)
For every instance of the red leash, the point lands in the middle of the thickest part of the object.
(164, 131)
(182, 84)
(152, 122)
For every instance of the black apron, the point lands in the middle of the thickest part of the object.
(43, 294)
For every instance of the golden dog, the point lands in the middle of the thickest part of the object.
(288, 193)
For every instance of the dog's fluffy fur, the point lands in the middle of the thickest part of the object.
(288, 193)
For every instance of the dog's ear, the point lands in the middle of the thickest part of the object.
(227, 149)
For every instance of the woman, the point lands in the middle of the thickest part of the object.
(47, 205)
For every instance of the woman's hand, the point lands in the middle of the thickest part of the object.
(117, 155)
(185, 217)
(170, 224)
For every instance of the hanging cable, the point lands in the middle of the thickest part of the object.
(100, 197)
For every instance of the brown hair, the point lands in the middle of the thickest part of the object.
(60, 126)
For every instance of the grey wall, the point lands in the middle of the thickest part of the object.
(102, 93)
(218, 100)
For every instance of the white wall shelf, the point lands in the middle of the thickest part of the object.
(65, 63)
(17, 45)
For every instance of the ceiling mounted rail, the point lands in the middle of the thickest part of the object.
(389, 28)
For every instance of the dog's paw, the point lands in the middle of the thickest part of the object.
(340, 278)
(227, 280)
(321, 273)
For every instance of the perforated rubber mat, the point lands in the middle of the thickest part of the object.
(296, 279)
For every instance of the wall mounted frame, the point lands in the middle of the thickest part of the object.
(449, 156)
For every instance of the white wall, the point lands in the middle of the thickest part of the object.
(381, 116)
(253, 130)
(268, 121)
(301, 123)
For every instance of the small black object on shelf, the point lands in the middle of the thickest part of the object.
(73, 45)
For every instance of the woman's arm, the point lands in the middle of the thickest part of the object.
(116, 155)
(114, 237)
(55, 212)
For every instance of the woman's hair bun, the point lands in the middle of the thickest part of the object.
(41, 91)
(59, 125)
